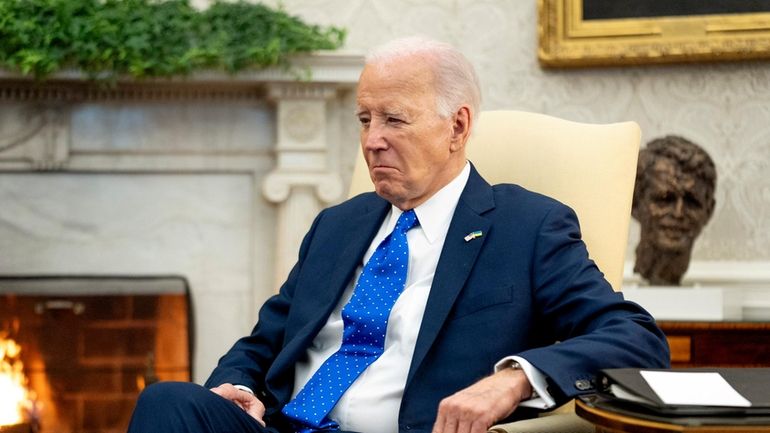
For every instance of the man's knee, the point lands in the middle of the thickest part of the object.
(182, 407)
(164, 395)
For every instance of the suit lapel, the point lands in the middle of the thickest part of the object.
(455, 264)
(352, 245)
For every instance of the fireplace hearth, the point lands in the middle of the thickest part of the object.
(17, 428)
(90, 344)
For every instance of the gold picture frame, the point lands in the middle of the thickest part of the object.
(567, 40)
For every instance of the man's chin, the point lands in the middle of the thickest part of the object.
(674, 245)
(387, 191)
(382, 188)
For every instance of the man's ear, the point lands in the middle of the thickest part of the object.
(461, 128)
(710, 207)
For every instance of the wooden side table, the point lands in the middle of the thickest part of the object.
(718, 344)
(612, 422)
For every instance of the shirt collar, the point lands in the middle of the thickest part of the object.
(435, 214)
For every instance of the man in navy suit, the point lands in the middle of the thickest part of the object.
(501, 313)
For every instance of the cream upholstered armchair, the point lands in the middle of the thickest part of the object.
(589, 167)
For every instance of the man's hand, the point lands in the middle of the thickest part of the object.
(245, 400)
(481, 405)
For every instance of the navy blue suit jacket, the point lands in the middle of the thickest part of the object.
(522, 286)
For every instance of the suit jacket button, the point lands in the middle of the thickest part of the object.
(583, 384)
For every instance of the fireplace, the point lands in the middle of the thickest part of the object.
(90, 344)
(214, 177)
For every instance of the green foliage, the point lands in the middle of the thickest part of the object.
(151, 38)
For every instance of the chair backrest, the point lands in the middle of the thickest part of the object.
(589, 167)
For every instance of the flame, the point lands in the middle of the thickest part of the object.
(14, 396)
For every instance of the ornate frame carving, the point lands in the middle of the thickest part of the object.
(567, 40)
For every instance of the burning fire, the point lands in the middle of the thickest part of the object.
(14, 396)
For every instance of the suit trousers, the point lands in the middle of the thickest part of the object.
(183, 407)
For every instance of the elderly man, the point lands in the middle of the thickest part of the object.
(433, 304)
(673, 201)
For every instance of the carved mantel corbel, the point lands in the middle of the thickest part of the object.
(301, 182)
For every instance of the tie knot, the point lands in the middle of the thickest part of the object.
(406, 221)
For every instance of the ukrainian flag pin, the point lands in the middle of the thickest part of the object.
(473, 235)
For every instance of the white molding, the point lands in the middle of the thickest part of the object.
(341, 67)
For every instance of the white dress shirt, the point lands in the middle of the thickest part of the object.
(372, 402)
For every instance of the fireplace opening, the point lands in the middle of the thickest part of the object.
(89, 345)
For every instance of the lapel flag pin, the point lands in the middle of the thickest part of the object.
(473, 235)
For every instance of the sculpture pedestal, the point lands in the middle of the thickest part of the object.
(687, 303)
(711, 291)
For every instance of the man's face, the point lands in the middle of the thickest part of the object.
(410, 150)
(675, 207)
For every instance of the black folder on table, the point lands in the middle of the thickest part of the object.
(752, 383)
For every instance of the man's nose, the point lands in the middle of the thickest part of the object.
(374, 138)
(679, 207)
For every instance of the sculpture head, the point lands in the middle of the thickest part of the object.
(673, 201)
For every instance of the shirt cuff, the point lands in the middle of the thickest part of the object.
(244, 388)
(540, 399)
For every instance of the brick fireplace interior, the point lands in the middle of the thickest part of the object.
(90, 344)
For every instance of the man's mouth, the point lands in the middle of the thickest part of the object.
(382, 167)
(674, 227)
(675, 232)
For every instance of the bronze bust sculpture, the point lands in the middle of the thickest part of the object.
(673, 201)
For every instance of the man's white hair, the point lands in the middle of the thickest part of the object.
(456, 79)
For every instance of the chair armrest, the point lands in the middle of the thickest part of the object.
(556, 423)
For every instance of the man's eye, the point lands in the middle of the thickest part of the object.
(693, 201)
(395, 120)
(665, 197)
(364, 121)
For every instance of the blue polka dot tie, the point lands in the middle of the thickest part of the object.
(365, 319)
